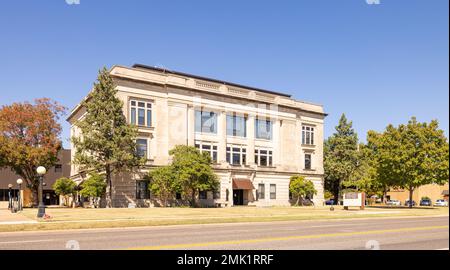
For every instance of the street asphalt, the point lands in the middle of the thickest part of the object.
(416, 233)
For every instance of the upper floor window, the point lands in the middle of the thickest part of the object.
(141, 148)
(263, 129)
(307, 135)
(236, 126)
(308, 161)
(209, 148)
(205, 122)
(58, 168)
(263, 157)
(141, 113)
(236, 155)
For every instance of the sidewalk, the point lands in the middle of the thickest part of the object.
(6, 218)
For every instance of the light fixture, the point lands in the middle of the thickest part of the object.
(19, 181)
(41, 170)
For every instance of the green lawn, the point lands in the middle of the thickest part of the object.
(65, 218)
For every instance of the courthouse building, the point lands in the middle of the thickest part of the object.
(257, 138)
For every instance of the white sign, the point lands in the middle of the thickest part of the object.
(353, 199)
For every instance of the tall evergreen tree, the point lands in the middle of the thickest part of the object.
(107, 142)
(340, 156)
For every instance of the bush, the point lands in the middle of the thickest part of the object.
(94, 187)
(300, 188)
(65, 187)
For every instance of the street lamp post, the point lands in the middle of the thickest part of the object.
(10, 196)
(41, 208)
(19, 182)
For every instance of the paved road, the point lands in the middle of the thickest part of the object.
(383, 233)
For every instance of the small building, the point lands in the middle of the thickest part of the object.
(7, 176)
(432, 191)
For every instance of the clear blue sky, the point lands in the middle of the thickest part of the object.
(379, 64)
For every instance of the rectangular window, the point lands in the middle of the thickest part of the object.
(58, 168)
(307, 135)
(142, 148)
(142, 191)
(205, 122)
(141, 117)
(133, 116)
(263, 129)
(273, 191)
(261, 192)
(263, 157)
(307, 161)
(236, 126)
(236, 154)
(216, 195)
(207, 147)
(178, 196)
(141, 113)
(203, 195)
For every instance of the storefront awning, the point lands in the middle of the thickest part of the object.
(245, 184)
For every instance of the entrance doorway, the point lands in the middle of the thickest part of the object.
(238, 197)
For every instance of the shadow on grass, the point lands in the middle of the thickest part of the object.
(402, 207)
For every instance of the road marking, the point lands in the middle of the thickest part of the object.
(340, 225)
(26, 241)
(272, 239)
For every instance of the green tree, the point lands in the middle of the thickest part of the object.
(30, 137)
(328, 195)
(65, 187)
(193, 171)
(300, 188)
(340, 156)
(94, 187)
(107, 142)
(413, 155)
(365, 178)
(163, 183)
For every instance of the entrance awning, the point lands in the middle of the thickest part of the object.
(245, 184)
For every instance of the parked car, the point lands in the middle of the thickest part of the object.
(393, 202)
(441, 202)
(329, 202)
(407, 203)
(425, 202)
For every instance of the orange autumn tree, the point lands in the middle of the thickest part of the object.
(30, 137)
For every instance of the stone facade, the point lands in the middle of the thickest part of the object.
(177, 102)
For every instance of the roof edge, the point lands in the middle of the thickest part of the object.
(163, 70)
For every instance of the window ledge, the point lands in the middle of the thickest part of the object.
(145, 127)
(308, 145)
(237, 137)
(206, 133)
(263, 140)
